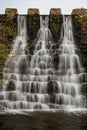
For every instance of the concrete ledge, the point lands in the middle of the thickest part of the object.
(11, 12)
(55, 11)
(80, 11)
(33, 11)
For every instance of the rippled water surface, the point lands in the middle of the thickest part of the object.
(44, 121)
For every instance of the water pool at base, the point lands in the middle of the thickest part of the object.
(62, 120)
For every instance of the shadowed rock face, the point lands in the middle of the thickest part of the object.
(80, 33)
(52, 87)
(33, 25)
(55, 22)
(10, 86)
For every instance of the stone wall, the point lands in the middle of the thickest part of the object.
(55, 22)
(33, 25)
(8, 31)
(80, 33)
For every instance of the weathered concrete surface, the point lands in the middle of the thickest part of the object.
(33, 12)
(55, 11)
(80, 33)
(33, 25)
(8, 31)
(11, 12)
(55, 22)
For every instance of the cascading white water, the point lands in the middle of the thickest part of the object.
(41, 69)
(36, 84)
(70, 69)
(15, 69)
(25, 86)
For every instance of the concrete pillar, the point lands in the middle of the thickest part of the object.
(55, 22)
(33, 25)
(79, 17)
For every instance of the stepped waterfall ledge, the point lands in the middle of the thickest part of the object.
(32, 82)
(70, 69)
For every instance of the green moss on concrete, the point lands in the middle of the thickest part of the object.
(33, 25)
(80, 33)
(8, 32)
(55, 22)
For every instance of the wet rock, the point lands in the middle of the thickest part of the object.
(13, 77)
(81, 12)
(12, 97)
(21, 105)
(34, 87)
(52, 87)
(84, 89)
(1, 96)
(10, 86)
(83, 78)
(52, 98)
(29, 98)
(1, 85)
(38, 106)
(25, 87)
(56, 59)
(23, 66)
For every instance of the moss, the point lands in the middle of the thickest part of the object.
(80, 36)
(4, 51)
(31, 46)
(8, 31)
(55, 23)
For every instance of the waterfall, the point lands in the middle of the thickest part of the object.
(35, 83)
(41, 69)
(15, 70)
(70, 69)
